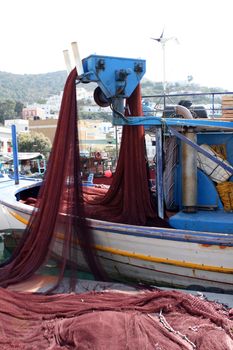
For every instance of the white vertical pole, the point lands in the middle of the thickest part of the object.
(77, 58)
(67, 61)
(189, 173)
(164, 69)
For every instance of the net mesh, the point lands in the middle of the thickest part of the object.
(117, 321)
(59, 209)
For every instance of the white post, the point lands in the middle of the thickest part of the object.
(67, 61)
(164, 69)
(77, 58)
(189, 174)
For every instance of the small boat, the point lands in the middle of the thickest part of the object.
(193, 194)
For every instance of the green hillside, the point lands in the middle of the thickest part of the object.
(18, 90)
(30, 88)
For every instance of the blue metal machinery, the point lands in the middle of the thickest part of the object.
(117, 78)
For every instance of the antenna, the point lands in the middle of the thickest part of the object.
(163, 41)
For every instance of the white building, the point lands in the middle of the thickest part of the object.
(22, 125)
(83, 94)
(6, 134)
(5, 140)
(53, 103)
(104, 127)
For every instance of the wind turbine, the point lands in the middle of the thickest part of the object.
(162, 40)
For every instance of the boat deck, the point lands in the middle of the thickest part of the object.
(208, 221)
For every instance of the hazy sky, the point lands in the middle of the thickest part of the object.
(35, 32)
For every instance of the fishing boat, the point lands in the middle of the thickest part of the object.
(193, 194)
(29, 163)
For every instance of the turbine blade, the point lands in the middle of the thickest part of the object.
(161, 36)
(157, 39)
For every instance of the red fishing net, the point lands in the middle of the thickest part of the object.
(58, 221)
(159, 320)
(128, 200)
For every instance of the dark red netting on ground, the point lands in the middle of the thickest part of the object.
(166, 320)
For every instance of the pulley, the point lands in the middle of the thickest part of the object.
(100, 98)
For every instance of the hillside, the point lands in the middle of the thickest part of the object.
(30, 88)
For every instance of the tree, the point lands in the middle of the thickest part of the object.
(18, 108)
(7, 110)
(34, 142)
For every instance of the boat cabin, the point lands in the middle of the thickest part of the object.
(30, 163)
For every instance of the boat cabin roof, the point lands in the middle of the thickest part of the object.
(6, 157)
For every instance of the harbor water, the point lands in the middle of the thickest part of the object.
(4, 254)
(49, 269)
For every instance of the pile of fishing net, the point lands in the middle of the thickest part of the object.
(158, 320)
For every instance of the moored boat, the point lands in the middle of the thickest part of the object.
(196, 250)
(171, 257)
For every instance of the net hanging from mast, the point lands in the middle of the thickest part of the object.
(63, 204)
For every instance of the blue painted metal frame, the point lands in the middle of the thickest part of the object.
(207, 221)
(116, 76)
(201, 150)
(15, 154)
(158, 121)
(153, 121)
(175, 122)
(207, 195)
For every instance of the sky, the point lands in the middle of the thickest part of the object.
(34, 34)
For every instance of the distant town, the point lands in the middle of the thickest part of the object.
(97, 135)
